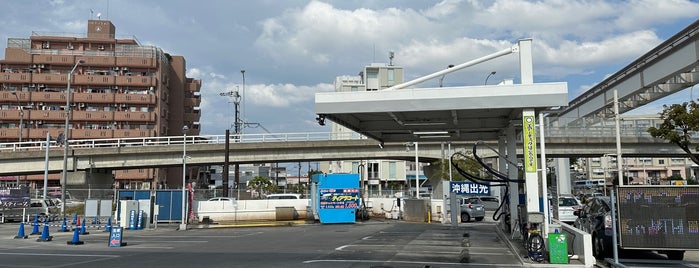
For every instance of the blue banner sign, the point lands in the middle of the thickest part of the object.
(339, 198)
(468, 188)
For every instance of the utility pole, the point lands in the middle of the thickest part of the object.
(236, 136)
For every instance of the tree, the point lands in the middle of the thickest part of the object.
(464, 160)
(261, 184)
(679, 122)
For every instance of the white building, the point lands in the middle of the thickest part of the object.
(383, 177)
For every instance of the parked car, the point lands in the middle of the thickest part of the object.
(472, 208)
(283, 196)
(490, 202)
(567, 205)
(230, 199)
(595, 218)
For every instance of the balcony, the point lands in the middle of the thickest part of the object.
(192, 102)
(133, 133)
(134, 116)
(15, 78)
(135, 98)
(134, 174)
(12, 115)
(53, 59)
(92, 116)
(45, 78)
(93, 97)
(102, 80)
(92, 133)
(40, 133)
(48, 97)
(136, 62)
(11, 133)
(99, 60)
(46, 115)
(135, 80)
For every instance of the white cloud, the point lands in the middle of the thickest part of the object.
(283, 95)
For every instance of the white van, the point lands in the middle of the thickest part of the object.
(283, 196)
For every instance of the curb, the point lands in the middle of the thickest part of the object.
(248, 224)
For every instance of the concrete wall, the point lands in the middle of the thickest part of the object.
(252, 210)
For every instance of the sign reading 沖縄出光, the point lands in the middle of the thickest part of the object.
(465, 187)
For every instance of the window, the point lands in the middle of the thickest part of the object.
(355, 166)
(661, 161)
(391, 170)
(390, 80)
(373, 170)
(354, 88)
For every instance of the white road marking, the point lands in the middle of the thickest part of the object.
(418, 262)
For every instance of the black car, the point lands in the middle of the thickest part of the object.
(595, 218)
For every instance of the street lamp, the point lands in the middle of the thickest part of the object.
(66, 134)
(489, 75)
(21, 117)
(441, 79)
(183, 224)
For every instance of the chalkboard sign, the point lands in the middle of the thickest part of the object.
(115, 237)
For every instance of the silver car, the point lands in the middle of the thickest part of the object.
(472, 208)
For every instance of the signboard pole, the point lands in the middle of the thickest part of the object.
(614, 234)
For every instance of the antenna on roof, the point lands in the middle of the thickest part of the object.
(99, 15)
(390, 58)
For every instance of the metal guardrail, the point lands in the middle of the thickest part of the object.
(172, 140)
(609, 131)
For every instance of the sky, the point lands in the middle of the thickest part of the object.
(292, 49)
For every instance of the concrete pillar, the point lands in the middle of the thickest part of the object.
(512, 173)
(563, 175)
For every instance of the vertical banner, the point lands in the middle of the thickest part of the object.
(531, 177)
(529, 125)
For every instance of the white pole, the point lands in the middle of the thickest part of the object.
(46, 165)
(183, 224)
(503, 52)
(618, 138)
(417, 173)
(66, 133)
(544, 183)
(450, 178)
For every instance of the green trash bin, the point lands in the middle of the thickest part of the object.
(558, 248)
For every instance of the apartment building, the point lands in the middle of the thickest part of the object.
(120, 89)
(382, 176)
(640, 170)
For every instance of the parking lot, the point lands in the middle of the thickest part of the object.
(374, 243)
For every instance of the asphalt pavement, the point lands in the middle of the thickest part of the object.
(374, 243)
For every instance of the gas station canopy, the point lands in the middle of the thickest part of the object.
(467, 113)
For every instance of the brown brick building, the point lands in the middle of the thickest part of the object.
(122, 89)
